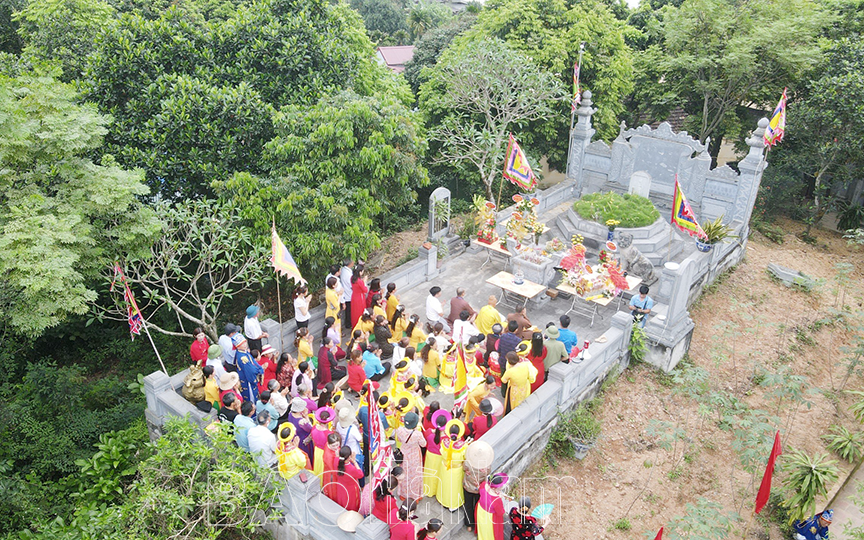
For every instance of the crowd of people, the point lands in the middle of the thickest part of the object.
(307, 413)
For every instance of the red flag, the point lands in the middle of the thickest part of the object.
(380, 453)
(765, 488)
(659, 535)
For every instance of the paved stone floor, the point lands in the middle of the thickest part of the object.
(845, 511)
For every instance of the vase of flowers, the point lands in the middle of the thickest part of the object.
(715, 232)
(611, 224)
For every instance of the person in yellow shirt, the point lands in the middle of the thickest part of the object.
(448, 369)
(211, 387)
(518, 377)
(392, 300)
(488, 316)
(303, 342)
(478, 394)
(331, 298)
(416, 336)
(290, 458)
(431, 362)
(377, 306)
(398, 323)
(365, 323)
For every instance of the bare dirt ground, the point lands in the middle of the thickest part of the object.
(746, 323)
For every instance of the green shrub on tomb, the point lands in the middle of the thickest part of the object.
(630, 209)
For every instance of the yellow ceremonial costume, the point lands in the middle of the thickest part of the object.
(399, 331)
(378, 310)
(518, 379)
(332, 301)
(472, 407)
(448, 371)
(366, 326)
(392, 304)
(487, 317)
(304, 351)
(293, 461)
(431, 469)
(450, 492)
(416, 338)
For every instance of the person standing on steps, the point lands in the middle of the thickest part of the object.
(640, 306)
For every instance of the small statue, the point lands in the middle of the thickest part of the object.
(633, 261)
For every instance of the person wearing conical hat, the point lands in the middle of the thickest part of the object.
(477, 466)
(290, 458)
(450, 472)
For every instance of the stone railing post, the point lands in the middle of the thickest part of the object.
(429, 252)
(580, 138)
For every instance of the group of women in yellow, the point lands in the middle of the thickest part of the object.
(440, 454)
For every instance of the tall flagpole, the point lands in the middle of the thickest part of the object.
(146, 331)
(573, 110)
(278, 295)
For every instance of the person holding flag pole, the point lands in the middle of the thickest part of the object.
(283, 263)
(136, 319)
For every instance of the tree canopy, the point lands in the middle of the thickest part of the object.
(63, 215)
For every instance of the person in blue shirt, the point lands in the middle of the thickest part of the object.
(640, 306)
(565, 335)
(375, 370)
(247, 368)
(242, 423)
(815, 528)
(263, 404)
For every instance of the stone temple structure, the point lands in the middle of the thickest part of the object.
(641, 160)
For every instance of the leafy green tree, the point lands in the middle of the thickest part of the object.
(161, 75)
(63, 30)
(482, 90)
(203, 257)
(825, 137)
(549, 33)
(705, 520)
(425, 16)
(719, 54)
(430, 47)
(62, 214)
(384, 16)
(10, 41)
(336, 171)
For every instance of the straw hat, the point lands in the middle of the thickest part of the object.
(267, 349)
(346, 416)
(479, 455)
(349, 520)
(229, 381)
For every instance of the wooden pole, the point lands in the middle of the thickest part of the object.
(279, 301)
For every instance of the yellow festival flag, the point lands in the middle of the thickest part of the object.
(282, 260)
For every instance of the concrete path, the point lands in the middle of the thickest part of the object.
(845, 511)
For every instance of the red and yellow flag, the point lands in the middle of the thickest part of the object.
(516, 168)
(777, 125)
(682, 213)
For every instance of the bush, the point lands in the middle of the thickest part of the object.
(631, 210)
(579, 425)
(808, 480)
(845, 443)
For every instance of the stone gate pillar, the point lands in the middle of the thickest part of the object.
(580, 138)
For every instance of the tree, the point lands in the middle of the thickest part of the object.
(425, 16)
(62, 214)
(483, 90)
(10, 41)
(63, 30)
(192, 98)
(549, 33)
(719, 54)
(824, 142)
(335, 169)
(203, 257)
(383, 16)
(430, 47)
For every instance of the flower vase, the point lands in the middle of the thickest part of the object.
(610, 236)
(703, 247)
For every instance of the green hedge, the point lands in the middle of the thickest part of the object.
(631, 210)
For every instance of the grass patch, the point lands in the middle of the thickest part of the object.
(769, 230)
(630, 209)
(675, 473)
(622, 524)
(410, 256)
(805, 338)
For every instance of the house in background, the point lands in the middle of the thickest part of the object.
(395, 58)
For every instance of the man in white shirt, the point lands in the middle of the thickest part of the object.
(262, 442)
(434, 310)
(345, 279)
(464, 329)
(252, 329)
(228, 352)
